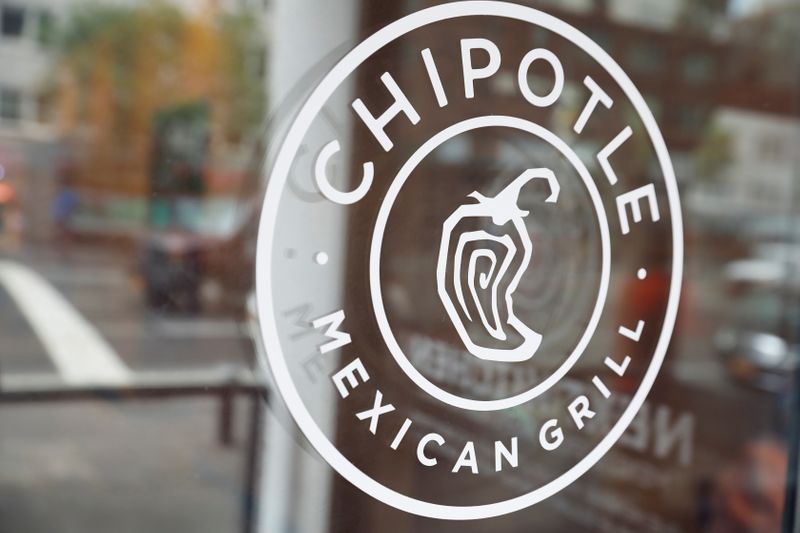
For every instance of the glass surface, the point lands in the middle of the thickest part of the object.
(138, 141)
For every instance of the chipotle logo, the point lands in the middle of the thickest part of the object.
(501, 271)
(510, 203)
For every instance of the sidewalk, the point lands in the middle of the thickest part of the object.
(150, 466)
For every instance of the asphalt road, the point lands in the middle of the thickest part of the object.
(102, 291)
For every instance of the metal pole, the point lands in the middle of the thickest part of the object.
(226, 414)
(252, 462)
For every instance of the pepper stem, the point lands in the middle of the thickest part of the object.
(503, 206)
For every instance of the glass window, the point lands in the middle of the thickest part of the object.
(698, 69)
(10, 104)
(691, 117)
(361, 266)
(45, 108)
(12, 20)
(646, 58)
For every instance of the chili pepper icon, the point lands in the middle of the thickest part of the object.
(502, 275)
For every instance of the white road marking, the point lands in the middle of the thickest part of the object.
(79, 352)
(199, 328)
(171, 329)
(86, 276)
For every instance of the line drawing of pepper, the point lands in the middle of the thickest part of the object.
(502, 209)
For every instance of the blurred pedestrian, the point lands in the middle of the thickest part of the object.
(14, 226)
(8, 210)
(63, 211)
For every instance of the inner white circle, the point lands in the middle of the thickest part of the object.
(266, 240)
(377, 242)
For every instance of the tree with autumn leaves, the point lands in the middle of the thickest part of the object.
(119, 67)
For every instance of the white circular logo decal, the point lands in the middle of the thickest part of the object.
(476, 301)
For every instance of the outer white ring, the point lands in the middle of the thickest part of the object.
(377, 242)
(278, 177)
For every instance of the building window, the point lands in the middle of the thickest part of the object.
(12, 21)
(646, 58)
(771, 149)
(602, 38)
(44, 108)
(45, 30)
(10, 104)
(699, 69)
(655, 104)
(691, 118)
(540, 36)
(258, 62)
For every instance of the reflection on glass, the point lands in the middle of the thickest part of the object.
(132, 147)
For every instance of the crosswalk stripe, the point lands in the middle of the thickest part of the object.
(81, 355)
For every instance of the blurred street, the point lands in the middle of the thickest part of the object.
(139, 465)
(123, 263)
(102, 288)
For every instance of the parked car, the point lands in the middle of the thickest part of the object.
(756, 339)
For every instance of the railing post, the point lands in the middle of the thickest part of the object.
(226, 413)
(252, 463)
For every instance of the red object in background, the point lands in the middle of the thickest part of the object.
(7, 193)
(751, 491)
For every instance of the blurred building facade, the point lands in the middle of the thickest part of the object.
(28, 148)
(751, 133)
(84, 82)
